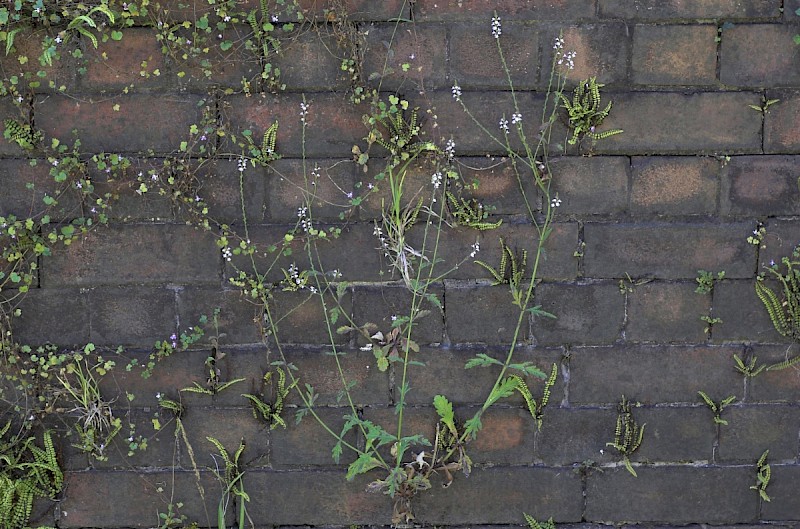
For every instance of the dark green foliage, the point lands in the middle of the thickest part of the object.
(628, 434)
(271, 413)
(470, 213)
(22, 134)
(511, 271)
(585, 113)
(783, 303)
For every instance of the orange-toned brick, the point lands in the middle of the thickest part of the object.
(674, 55)
(759, 55)
(674, 186)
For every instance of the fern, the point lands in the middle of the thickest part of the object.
(783, 305)
(628, 434)
(763, 475)
(22, 134)
(585, 113)
(533, 524)
(271, 413)
(536, 409)
(470, 213)
(749, 370)
(717, 408)
(513, 275)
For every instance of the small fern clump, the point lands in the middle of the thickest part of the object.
(271, 413)
(512, 275)
(763, 475)
(470, 213)
(22, 134)
(717, 407)
(783, 304)
(628, 434)
(585, 112)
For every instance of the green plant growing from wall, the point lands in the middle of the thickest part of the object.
(751, 368)
(272, 413)
(783, 303)
(717, 407)
(510, 271)
(586, 113)
(763, 475)
(470, 213)
(28, 472)
(705, 281)
(233, 488)
(628, 434)
(534, 524)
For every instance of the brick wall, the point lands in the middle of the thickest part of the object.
(680, 190)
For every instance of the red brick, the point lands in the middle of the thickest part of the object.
(361, 10)
(221, 190)
(520, 49)
(101, 128)
(759, 55)
(690, 9)
(591, 186)
(507, 9)
(666, 313)
(761, 186)
(333, 125)
(310, 62)
(28, 44)
(153, 254)
(507, 437)
(650, 250)
(672, 123)
(674, 55)
(390, 46)
(781, 134)
(651, 374)
(117, 64)
(602, 51)
(498, 185)
(674, 186)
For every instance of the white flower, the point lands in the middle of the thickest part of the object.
(303, 111)
(555, 202)
(436, 179)
(456, 92)
(274, 18)
(516, 117)
(475, 249)
(504, 124)
(450, 149)
(496, 28)
(241, 165)
(559, 44)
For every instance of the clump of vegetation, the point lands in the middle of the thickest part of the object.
(628, 434)
(586, 113)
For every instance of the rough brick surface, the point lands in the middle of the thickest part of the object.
(655, 9)
(760, 186)
(674, 55)
(674, 186)
(748, 56)
(780, 132)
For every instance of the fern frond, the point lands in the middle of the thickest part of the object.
(785, 364)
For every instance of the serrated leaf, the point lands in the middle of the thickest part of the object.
(445, 410)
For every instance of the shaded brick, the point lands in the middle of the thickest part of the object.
(649, 250)
(666, 312)
(674, 55)
(674, 434)
(36, 325)
(333, 125)
(127, 205)
(570, 436)
(8, 110)
(539, 491)
(748, 57)
(153, 254)
(672, 123)
(781, 134)
(135, 316)
(585, 313)
(651, 374)
(454, 250)
(101, 128)
(493, 182)
(672, 495)
(744, 318)
(144, 493)
(360, 10)
(774, 385)
(379, 304)
(161, 451)
(28, 43)
(753, 429)
(325, 186)
(306, 63)
(229, 426)
(222, 191)
(308, 444)
(782, 492)
(783, 236)
(520, 46)
(509, 10)
(421, 47)
(475, 324)
(674, 186)
(299, 317)
(239, 320)
(761, 186)
(591, 186)
(25, 185)
(113, 65)
(602, 51)
(700, 9)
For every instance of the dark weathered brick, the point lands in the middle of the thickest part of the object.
(674, 186)
(650, 250)
(774, 385)
(299, 317)
(666, 312)
(229, 426)
(494, 183)
(359, 10)
(145, 495)
(23, 201)
(585, 313)
(520, 47)
(650, 374)
(672, 495)
(570, 436)
(744, 318)
(748, 55)
(672, 123)
(153, 254)
(674, 55)
(602, 51)
(783, 236)
(114, 65)
(102, 128)
(470, 321)
(782, 491)
(136, 316)
(36, 324)
(591, 186)
(308, 444)
(421, 47)
(673, 434)
(780, 123)
(379, 305)
(306, 63)
(325, 186)
(223, 190)
(760, 186)
(239, 319)
(161, 449)
(508, 9)
(333, 125)
(700, 9)
(753, 429)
